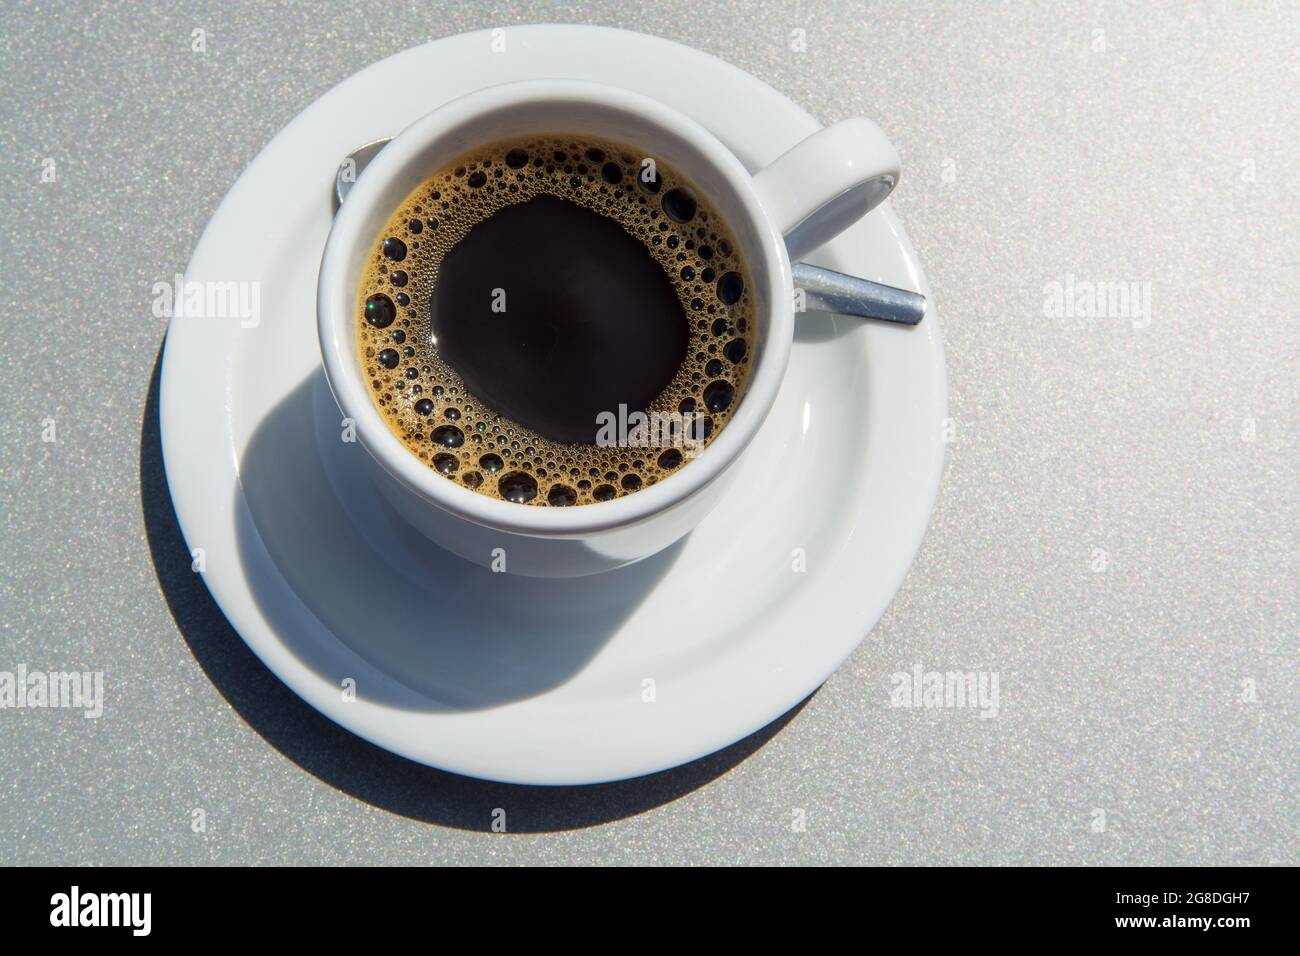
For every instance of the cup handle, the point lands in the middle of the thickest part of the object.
(827, 182)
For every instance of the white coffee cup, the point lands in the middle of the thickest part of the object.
(804, 198)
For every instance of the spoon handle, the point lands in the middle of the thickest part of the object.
(826, 290)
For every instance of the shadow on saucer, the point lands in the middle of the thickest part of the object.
(815, 326)
(442, 634)
(345, 761)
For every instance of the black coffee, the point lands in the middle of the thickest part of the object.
(586, 320)
(528, 301)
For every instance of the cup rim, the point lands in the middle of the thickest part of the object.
(335, 306)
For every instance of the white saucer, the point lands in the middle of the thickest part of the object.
(526, 680)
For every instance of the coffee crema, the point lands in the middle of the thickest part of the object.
(526, 302)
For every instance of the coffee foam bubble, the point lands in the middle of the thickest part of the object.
(425, 403)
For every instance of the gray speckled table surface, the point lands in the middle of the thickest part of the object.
(1115, 536)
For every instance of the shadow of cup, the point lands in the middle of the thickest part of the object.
(282, 457)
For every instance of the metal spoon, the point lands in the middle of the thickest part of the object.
(825, 290)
